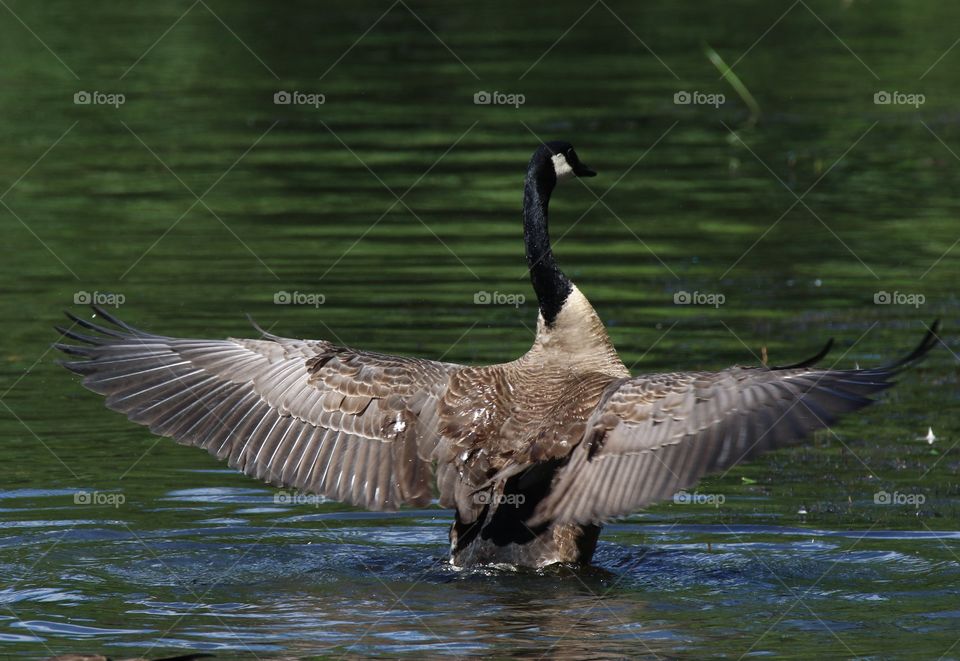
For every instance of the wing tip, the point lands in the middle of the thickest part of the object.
(114, 329)
(811, 361)
(930, 339)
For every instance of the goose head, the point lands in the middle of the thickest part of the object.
(559, 159)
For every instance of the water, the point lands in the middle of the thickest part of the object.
(301, 199)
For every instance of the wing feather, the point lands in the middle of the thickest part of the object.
(354, 426)
(653, 435)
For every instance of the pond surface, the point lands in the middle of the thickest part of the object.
(805, 218)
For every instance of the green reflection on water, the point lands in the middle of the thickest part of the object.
(288, 207)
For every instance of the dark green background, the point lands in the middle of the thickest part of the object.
(199, 557)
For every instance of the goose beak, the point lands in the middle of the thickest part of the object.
(581, 170)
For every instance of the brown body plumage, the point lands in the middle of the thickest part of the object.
(533, 455)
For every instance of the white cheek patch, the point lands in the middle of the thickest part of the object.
(561, 166)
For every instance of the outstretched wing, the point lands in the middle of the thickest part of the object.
(354, 426)
(651, 436)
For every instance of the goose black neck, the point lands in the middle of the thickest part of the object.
(550, 284)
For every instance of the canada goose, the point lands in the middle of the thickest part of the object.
(533, 455)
